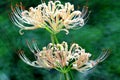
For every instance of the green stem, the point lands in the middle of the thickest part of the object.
(60, 76)
(54, 39)
(66, 77)
(71, 76)
(48, 29)
(53, 35)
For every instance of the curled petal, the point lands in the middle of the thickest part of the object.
(20, 31)
(67, 32)
(65, 45)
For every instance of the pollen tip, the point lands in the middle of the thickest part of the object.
(33, 40)
(17, 5)
(90, 12)
(12, 8)
(20, 51)
(27, 42)
(85, 6)
(21, 3)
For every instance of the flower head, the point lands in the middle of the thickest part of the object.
(62, 58)
(53, 16)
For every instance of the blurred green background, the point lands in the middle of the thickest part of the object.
(101, 31)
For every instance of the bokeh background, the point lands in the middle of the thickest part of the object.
(101, 32)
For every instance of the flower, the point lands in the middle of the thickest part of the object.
(59, 57)
(54, 17)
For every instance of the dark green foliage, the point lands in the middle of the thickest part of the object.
(101, 31)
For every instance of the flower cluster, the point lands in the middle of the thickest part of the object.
(54, 17)
(61, 58)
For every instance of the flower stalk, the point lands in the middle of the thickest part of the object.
(54, 39)
(71, 76)
(66, 76)
(55, 17)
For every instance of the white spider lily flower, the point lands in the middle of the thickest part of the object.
(59, 57)
(54, 16)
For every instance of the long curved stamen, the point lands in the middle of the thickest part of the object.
(103, 56)
(26, 60)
